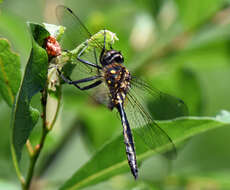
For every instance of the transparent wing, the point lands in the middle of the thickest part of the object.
(100, 95)
(161, 106)
(76, 32)
(152, 135)
(140, 96)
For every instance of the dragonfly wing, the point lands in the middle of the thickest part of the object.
(77, 33)
(143, 100)
(149, 131)
(162, 106)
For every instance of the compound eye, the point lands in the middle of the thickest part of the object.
(119, 59)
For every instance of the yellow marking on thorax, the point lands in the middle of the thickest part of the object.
(113, 71)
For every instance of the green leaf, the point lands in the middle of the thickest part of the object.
(55, 31)
(24, 115)
(10, 74)
(39, 33)
(195, 12)
(105, 164)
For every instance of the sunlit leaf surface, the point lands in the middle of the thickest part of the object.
(10, 74)
(24, 115)
(110, 160)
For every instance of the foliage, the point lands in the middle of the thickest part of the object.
(181, 47)
(98, 168)
(10, 69)
(25, 116)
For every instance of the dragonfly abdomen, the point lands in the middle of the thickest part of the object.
(130, 151)
(128, 140)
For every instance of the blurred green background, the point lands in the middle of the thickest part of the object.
(181, 47)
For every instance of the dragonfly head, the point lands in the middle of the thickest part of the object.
(111, 56)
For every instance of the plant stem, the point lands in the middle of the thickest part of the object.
(38, 148)
(29, 147)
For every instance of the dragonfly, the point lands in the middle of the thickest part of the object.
(123, 91)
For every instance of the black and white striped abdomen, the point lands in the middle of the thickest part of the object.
(130, 149)
(128, 138)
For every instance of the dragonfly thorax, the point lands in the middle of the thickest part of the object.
(117, 78)
(111, 56)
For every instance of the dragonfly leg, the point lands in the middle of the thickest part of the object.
(85, 61)
(91, 85)
(75, 83)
